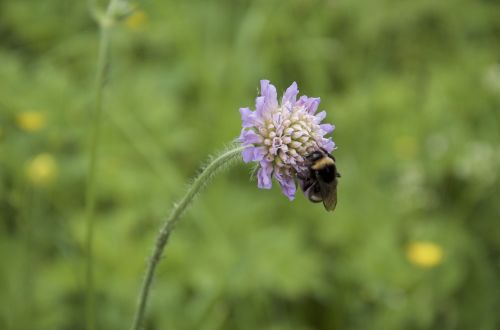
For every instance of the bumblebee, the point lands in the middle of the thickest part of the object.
(319, 181)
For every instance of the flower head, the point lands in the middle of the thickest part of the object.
(42, 170)
(424, 254)
(31, 121)
(279, 136)
(136, 20)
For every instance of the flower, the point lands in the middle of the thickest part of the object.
(424, 254)
(136, 20)
(42, 170)
(280, 136)
(31, 121)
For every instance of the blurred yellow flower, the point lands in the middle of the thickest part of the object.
(424, 254)
(406, 147)
(136, 20)
(31, 121)
(42, 170)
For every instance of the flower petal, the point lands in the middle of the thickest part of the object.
(287, 185)
(249, 118)
(249, 136)
(268, 91)
(312, 105)
(319, 117)
(259, 153)
(327, 128)
(264, 175)
(302, 100)
(259, 105)
(328, 145)
(290, 96)
(277, 121)
(247, 154)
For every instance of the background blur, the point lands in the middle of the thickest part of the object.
(412, 86)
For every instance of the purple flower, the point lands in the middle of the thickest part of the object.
(280, 136)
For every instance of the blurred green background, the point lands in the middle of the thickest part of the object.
(412, 86)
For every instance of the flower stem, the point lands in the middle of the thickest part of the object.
(100, 80)
(217, 164)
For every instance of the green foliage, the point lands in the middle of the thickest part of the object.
(413, 88)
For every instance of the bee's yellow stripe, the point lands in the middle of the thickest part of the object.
(322, 163)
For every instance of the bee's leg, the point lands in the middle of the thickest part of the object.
(305, 181)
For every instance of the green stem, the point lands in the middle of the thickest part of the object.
(105, 24)
(223, 160)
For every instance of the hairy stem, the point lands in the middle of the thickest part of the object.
(218, 163)
(105, 24)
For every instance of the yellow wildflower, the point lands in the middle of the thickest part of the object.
(42, 170)
(424, 254)
(31, 121)
(136, 20)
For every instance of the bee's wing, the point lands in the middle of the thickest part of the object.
(329, 194)
(314, 193)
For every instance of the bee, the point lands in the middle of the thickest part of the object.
(319, 181)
